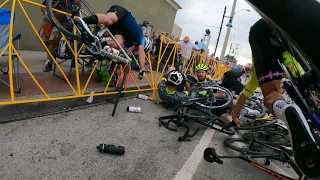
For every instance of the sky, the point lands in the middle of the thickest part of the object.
(198, 15)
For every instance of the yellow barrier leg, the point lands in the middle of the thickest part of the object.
(5, 2)
(10, 49)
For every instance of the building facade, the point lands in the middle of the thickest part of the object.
(160, 14)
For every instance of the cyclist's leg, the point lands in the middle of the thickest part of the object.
(269, 74)
(114, 14)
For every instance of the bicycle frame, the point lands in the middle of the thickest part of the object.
(279, 152)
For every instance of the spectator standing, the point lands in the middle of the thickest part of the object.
(144, 28)
(186, 49)
(49, 34)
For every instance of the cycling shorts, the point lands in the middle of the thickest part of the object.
(127, 26)
(265, 55)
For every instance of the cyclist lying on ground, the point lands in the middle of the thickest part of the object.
(267, 74)
(201, 72)
(123, 26)
(167, 87)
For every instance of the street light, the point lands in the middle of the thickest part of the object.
(229, 25)
(231, 18)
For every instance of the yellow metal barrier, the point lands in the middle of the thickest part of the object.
(168, 56)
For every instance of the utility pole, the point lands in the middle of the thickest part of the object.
(224, 13)
(223, 52)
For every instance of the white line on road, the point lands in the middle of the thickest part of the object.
(191, 165)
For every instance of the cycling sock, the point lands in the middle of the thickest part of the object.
(91, 19)
(279, 108)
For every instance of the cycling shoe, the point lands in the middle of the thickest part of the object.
(87, 35)
(306, 150)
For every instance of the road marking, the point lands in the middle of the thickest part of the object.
(189, 168)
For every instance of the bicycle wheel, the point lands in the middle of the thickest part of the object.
(272, 138)
(257, 108)
(235, 144)
(66, 27)
(219, 104)
(256, 124)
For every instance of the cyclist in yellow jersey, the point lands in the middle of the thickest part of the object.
(253, 83)
(266, 71)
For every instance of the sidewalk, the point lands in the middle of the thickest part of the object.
(52, 84)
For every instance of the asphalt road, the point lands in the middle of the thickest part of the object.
(63, 146)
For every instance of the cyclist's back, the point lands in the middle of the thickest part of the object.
(127, 26)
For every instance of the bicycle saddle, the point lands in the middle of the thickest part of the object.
(211, 156)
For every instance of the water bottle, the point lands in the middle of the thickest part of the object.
(111, 149)
(134, 109)
(62, 47)
(144, 97)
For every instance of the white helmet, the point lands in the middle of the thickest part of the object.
(175, 77)
(148, 45)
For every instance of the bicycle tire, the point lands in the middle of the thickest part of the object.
(218, 107)
(253, 135)
(262, 124)
(261, 106)
(230, 143)
(61, 28)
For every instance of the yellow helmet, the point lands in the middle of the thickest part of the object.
(201, 67)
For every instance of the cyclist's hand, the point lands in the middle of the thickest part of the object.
(142, 73)
(236, 121)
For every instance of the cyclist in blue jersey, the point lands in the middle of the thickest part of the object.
(123, 26)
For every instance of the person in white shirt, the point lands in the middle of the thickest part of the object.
(186, 47)
(144, 28)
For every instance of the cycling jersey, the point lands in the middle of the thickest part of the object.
(170, 97)
(127, 26)
(231, 80)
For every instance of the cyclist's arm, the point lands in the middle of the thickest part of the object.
(235, 73)
(248, 91)
(142, 56)
(78, 3)
(188, 88)
(219, 95)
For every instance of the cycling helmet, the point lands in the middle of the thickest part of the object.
(175, 77)
(201, 67)
(148, 45)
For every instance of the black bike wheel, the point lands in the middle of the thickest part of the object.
(256, 124)
(233, 143)
(67, 31)
(216, 107)
(267, 137)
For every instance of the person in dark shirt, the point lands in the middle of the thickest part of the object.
(231, 79)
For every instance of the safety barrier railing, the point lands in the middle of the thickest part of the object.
(168, 56)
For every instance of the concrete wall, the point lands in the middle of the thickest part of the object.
(176, 31)
(159, 13)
